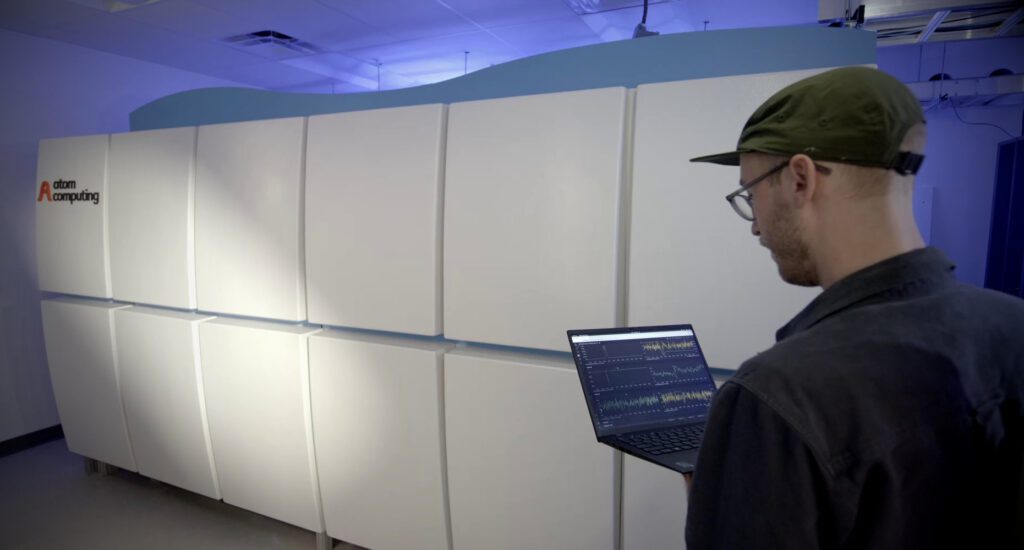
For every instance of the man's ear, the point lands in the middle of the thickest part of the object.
(803, 185)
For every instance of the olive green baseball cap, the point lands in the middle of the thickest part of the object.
(853, 115)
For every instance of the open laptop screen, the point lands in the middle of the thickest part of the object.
(642, 378)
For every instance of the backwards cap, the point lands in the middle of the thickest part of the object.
(853, 115)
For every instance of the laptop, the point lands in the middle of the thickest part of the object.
(648, 390)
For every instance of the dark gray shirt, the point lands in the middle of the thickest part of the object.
(887, 415)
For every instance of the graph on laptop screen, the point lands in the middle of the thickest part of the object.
(642, 378)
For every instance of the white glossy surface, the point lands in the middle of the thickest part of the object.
(524, 467)
(162, 386)
(152, 259)
(377, 418)
(532, 199)
(373, 219)
(256, 378)
(71, 238)
(691, 258)
(249, 244)
(653, 506)
(86, 383)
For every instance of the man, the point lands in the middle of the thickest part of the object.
(889, 412)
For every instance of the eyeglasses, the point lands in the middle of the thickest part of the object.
(745, 207)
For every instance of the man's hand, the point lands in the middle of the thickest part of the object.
(688, 479)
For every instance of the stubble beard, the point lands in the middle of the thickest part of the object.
(789, 251)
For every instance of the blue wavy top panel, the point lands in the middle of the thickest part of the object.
(626, 63)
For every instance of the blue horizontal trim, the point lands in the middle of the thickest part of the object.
(724, 374)
(438, 340)
(626, 63)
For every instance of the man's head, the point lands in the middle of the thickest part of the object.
(837, 153)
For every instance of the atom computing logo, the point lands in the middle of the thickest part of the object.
(66, 191)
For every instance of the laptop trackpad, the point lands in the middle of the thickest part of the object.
(688, 466)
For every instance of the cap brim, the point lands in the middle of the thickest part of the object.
(732, 158)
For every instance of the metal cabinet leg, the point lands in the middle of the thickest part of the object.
(324, 541)
(93, 466)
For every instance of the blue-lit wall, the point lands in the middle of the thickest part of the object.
(961, 158)
(51, 89)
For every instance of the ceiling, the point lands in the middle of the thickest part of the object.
(342, 45)
(339, 46)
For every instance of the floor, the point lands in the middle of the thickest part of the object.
(48, 501)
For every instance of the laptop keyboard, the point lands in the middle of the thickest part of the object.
(671, 440)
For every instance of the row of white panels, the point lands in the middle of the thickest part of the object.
(504, 221)
(385, 442)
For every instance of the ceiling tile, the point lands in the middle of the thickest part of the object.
(502, 13)
(417, 41)
(191, 19)
(619, 24)
(346, 70)
(676, 17)
(142, 41)
(405, 19)
(306, 20)
(435, 59)
(113, 33)
(765, 13)
(547, 36)
(47, 18)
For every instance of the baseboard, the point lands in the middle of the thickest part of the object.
(29, 440)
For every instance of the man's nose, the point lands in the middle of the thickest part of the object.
(754, 229)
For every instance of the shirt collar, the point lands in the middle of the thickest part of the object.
(895, 272)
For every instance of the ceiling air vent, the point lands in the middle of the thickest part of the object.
(272, 44)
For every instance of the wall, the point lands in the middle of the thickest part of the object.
(960, 160)
(51, 89)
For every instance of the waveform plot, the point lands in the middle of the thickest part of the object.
(672, 398)
(667, 346)
(674, 372)
(685, 397)
(626, 404)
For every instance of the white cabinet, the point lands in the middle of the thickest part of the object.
(256, 380)
(378, 427)
(533, 192)
(86, 379)
(249, 249)
(162, 386)
(373, 219)
(71, 215)
(152, 181)
(653, 506)
(524, 467)
(691, 258)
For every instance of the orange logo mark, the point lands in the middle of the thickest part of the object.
(44, 190)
